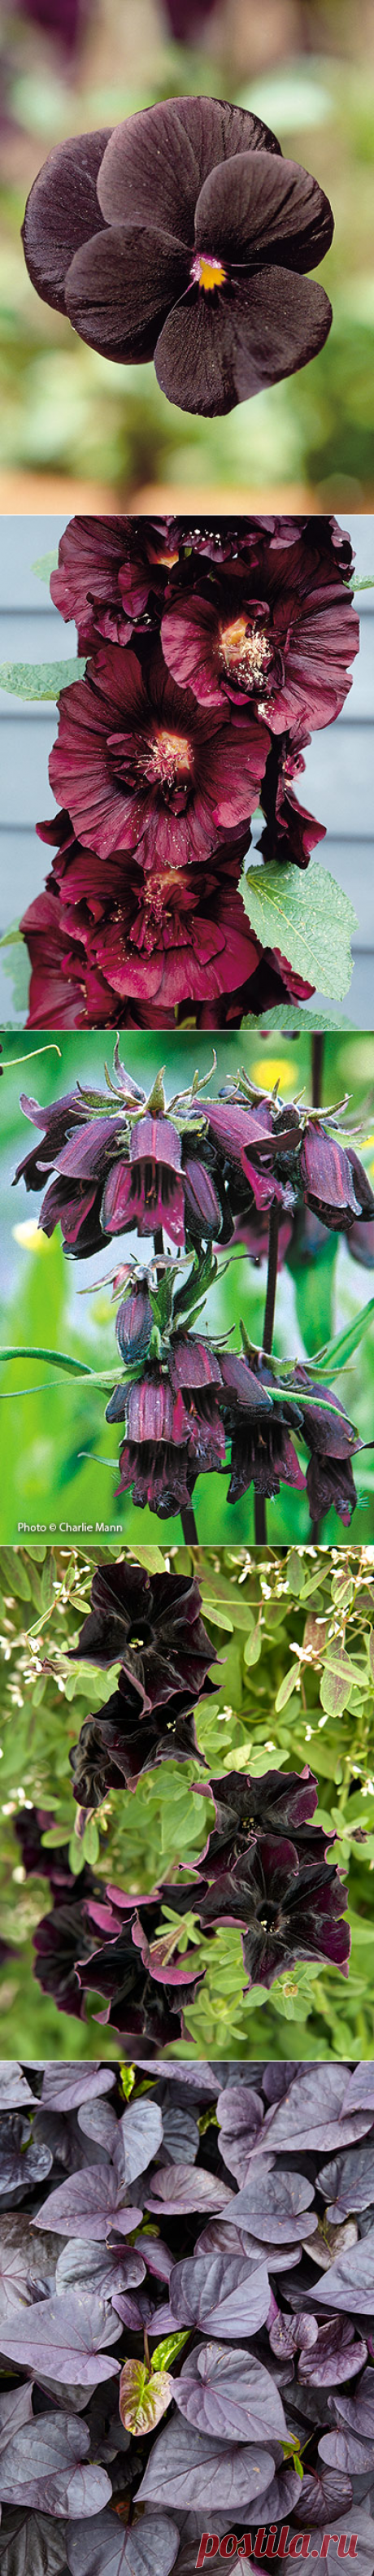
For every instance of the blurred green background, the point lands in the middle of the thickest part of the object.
(76, 428)
(45, 1478)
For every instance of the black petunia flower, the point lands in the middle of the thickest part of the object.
(280, 1803)
(286, 1913)
(185, 236)
(151, 1625)
(145, 1991)
(114, 1751)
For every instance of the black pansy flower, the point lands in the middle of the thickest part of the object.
(185, 236)
(286, 1913)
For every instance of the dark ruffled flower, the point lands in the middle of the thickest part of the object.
(287, 1912)
(152, 1626)
(280, 634)
(59, 1937)
(185, 236)
(280, 1803)
(144, 1994)
(114, 1751)
(113, 575)
(142, 767)
(136, 951)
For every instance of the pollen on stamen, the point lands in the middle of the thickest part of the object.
(207, 272)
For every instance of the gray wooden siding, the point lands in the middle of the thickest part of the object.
(339, 776)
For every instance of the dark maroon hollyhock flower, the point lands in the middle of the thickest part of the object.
(334, 1182)
(113, 575)
(67, 991)
(280, 1803)
(287, 1913)
(114, 1751)
(151, 1625)
(143, 768)
(184, 236)
(281, 634)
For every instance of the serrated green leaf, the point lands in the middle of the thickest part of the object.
(304, 914)
(294, 1019)
(40, 679)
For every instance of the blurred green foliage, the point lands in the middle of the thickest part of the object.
(294, 1633)
(54, 1435)
(63, 409)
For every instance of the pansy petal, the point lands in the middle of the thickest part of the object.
(254, 206)
(63, 212)
(207, 360)
(120, 287)
(157, 161)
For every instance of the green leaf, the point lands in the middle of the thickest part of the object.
(168, 2349)
(367, 582)
(336, 1353)
(46, 565)
(295, 1018)
(305, 915)
(336, 1682)
(143, 2397)
(40, 679)
(27, 1351)
(13, 1574)
(287, 1686)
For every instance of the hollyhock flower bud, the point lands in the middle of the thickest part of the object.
(134, 1324)
(328, 1177)
(184, 235)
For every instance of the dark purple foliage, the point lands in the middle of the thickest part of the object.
(272, 2350)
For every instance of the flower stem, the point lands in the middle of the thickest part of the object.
(267, 1342)
(317, 1089)
(187, 1517)
(317, 1068)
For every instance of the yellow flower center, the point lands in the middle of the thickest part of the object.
(244, 651)
(208, 273)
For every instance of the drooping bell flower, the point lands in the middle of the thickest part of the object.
(334, 1182)
(147, 1191)
(174, 1427)
(185, 236)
